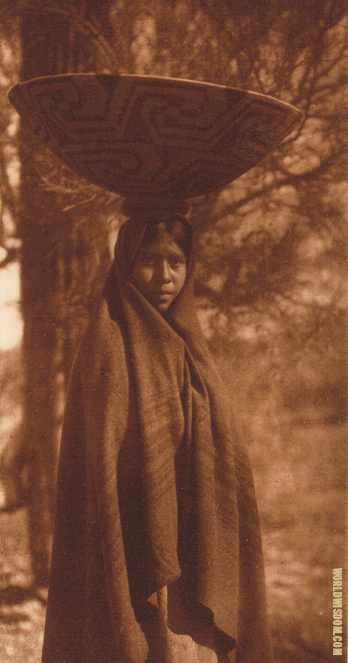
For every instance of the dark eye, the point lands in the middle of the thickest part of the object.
(177, 262)
(147, 260)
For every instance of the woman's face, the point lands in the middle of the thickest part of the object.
(159, 271)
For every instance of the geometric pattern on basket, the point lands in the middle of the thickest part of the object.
(142, 136)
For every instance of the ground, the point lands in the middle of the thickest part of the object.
(301, 492)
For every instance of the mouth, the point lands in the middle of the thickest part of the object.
(164, 293)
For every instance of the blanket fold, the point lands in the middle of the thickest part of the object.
(154, 487)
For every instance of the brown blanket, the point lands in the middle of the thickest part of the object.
(154, 488)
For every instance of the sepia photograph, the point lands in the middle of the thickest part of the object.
(173, 347)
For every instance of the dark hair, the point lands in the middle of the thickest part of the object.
(175, 226)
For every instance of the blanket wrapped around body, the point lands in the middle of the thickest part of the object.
(154, 492)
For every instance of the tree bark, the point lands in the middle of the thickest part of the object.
(51, 44)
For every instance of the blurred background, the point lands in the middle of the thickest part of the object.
(270, 284)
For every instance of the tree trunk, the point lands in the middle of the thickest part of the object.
(51, 44)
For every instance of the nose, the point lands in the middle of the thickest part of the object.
(164, 272)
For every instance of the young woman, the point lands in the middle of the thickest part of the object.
(157, 554)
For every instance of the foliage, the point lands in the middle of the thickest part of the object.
(9, 165)
(270, 273)
(270, 249)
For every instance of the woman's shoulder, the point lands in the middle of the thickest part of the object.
(104, 324)
(103, 342)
